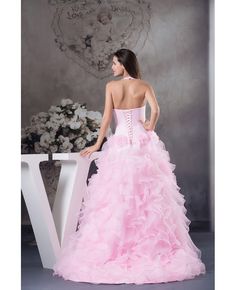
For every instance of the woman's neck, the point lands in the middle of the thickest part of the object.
(126, 77)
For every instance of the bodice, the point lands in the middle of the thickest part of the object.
(128, 120)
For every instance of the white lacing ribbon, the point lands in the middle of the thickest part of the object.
(128, 119)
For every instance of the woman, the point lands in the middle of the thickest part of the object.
(133, 227)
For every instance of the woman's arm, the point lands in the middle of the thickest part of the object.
(155, 109)
(107, 115)
(106, 120)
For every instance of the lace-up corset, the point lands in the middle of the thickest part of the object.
(127, 119)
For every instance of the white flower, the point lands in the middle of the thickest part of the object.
(61, 138)
(88, 135)
(34, 119)
(43, 115)
(40, 128)
(52, 135)
(75, 125)
(52, 125)
(53, 148)
(94, 134)
(55, 109)
(45, 140)
(72, 119)
(75, 106)
(33, 129)
(38, 148)
(66, 146)
(72, 135)
(80, 143)
(57, 117)
(82, 113)
(96, 116)
(65, 102)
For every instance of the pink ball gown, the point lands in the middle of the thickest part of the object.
(133, 227)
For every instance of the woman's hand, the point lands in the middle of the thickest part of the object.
(147, 126)
(89, 150)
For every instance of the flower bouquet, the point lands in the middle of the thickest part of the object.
(68, 127)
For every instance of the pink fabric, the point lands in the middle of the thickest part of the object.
(133, 226)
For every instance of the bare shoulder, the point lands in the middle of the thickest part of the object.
(139, 82)
(113, 84)
(110, 84)
(143, 82)
(146, 85)
(117, 82)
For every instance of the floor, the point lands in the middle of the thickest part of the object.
(34, 277)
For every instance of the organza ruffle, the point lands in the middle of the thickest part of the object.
(133, 226)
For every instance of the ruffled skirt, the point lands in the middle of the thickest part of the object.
(132, 226)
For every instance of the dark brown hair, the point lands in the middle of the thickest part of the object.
(129, 61)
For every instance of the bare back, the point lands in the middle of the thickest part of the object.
(128, 94)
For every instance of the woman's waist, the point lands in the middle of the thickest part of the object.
(127, 129)
(140, 136)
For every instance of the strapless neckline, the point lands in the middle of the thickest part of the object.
(129, 109)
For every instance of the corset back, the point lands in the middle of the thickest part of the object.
(128, 120)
